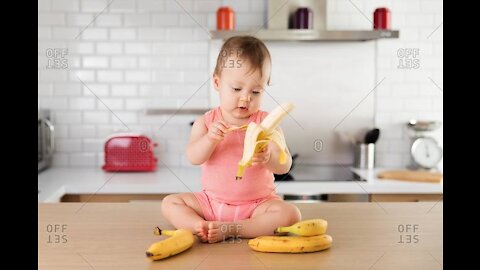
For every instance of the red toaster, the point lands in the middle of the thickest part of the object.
(129, 152)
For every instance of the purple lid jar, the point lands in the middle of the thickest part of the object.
(303, 18)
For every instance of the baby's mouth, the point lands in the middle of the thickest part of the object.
(243, 108)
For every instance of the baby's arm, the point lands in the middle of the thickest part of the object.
(202, 141)
(273, 164)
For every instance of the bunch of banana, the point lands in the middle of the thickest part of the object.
(258, 136)
(179, 240)
(310, 237)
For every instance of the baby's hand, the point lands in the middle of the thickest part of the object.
(262, 157)
(217, 131)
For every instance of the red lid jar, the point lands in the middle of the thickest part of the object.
(225, 18)
(381, 18)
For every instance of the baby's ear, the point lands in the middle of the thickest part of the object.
(216, 82)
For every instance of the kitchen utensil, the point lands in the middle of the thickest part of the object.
(381, 18)
(409, 175)
(129, 152)
(364, 156)
(303, 18)
(372, 136)
(225, 19)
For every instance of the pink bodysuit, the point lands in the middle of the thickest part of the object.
(223, 198)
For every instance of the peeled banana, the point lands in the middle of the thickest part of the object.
(306, 228)
(179, 240)
(258, 136)
(291, 244)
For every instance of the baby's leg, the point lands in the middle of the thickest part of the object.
(184, 212)
(265, 219)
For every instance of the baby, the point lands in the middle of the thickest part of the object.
(226, 207)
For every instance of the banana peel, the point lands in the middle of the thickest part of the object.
(258, 136)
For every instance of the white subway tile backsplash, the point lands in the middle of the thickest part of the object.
(123, 62)
(122, 34)
(199, 20)
(152, 5)
(431, 6)
(109, 48)
(123, 6)
(138, 48)
(95, 6)
(94, 34)
(84, 131)
(165, 19)
(61, 131)
(93, 145)
(109, 20)
(136, 104)
(60, 159)
(115, 104)
(81, 20)
(82, 75)
(44, 33)
(83, 159)
(81, 103)
(44, 5)
(125, 118)
(167, 76)
(65, 117)
(56, 19)
(80, 48)
(151, 34)
(109, 76)
(96, 117)
(124, 90)
(62, 5)
(155, 62)
(136, 19)
(44, 89)
(95, 62)
(68, 145)
(140, 54)
(179, 6)
(138, 76)
(54, 103)
(176, 34)
(99, 90)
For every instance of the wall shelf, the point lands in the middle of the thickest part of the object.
(310, 35)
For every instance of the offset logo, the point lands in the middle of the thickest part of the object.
(56, 58)
(408, 58)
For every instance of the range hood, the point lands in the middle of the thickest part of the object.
(280, 16)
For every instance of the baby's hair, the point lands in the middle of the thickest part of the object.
(247, 48)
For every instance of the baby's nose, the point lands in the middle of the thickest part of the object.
(245, 98)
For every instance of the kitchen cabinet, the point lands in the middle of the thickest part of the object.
(365, 236)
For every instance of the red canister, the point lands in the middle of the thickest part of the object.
(381, 18)
(225, 18)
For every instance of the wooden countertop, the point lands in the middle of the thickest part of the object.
(365, 236)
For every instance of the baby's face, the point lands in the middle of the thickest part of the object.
(241, 88)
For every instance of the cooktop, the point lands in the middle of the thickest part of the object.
(329, 173)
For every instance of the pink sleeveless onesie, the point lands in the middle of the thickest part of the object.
(223, 198)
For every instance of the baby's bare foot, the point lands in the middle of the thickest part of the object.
(201, 230)
(215, 234)
(218, 231)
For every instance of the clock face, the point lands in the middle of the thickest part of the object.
(426, 152)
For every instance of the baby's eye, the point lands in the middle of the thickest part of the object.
(237, 89)
(256, 92)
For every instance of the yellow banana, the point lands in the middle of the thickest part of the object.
(306, 228)
(258, 136)
(179, 240)
(291, 244)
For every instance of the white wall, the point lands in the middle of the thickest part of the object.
(139, 54)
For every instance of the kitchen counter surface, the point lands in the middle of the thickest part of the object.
(365, 236)
(56, 182)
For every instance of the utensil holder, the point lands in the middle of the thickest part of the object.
(364, 156)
